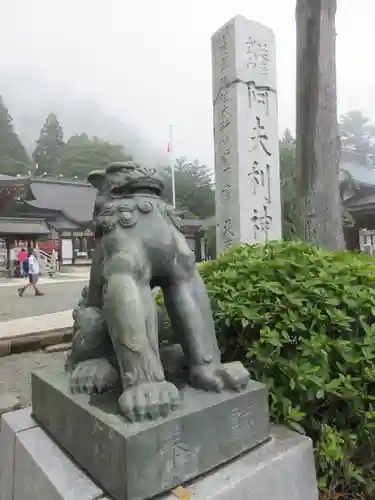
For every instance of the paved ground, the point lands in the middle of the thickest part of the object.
(58, 297)
(15, 372)
(58, 278)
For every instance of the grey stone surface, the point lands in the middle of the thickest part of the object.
(248, 208)
(11, 424)
(58, 347)
(44, 472)
(134, 461)
(15, 372)
(33, 467)
(8, 402)
(18, 421)
(281, 469)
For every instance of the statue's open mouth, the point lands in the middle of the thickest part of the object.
(146, 184)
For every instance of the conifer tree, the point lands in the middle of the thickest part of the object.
(13, 156)
(49, 147)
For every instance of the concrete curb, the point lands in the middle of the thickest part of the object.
(33, 342)
(29, 334)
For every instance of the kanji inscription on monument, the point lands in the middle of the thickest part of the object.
(246, 134)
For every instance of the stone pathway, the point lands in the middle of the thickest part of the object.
(61, 278)
(58, 297)
(15, 369)
(15, 372)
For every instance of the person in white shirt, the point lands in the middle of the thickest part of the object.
(34, 272)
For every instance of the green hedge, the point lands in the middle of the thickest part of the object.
(300, 318)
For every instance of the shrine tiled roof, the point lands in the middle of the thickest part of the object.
(22, 226)
(74, 200)
(362, 174)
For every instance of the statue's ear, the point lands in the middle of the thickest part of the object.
(97, 179)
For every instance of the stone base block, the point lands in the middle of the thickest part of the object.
(135, 461)
(35, 468)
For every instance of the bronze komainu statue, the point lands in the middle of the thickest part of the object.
(140, 246)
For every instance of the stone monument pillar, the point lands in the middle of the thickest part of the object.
(248, 208)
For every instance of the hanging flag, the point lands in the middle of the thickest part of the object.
(169, 147)
(169, 150)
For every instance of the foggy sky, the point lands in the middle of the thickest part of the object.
(148, 62)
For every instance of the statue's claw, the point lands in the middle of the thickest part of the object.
(94, 375)
(213, 377)
(149, 400)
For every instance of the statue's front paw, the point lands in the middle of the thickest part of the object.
(149, 400)
(214, 377)
(94, 375)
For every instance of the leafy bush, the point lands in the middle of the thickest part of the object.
(301, 319)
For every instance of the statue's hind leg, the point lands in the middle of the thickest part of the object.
(190, 313)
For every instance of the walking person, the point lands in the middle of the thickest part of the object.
(34, 272)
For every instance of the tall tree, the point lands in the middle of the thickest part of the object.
(83, 154)
(289, 198)
(49, 146)
(317, 144)
(288, 186)
(195, 194)
(357, 134)
(13, 157)
(288, 141)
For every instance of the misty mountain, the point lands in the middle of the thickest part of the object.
(30, 96)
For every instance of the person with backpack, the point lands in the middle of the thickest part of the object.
(33, 273)
(25, 266)
(22, 258)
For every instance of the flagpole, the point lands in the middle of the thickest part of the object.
(172, 168)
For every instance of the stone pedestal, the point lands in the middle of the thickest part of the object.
(134, 461)
(33, 467)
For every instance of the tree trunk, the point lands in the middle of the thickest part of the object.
(317, 148)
